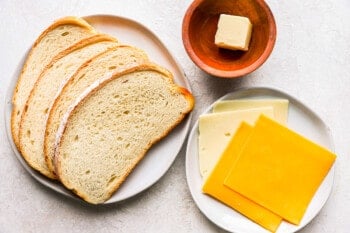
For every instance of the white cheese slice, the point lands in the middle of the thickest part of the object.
(280, 106)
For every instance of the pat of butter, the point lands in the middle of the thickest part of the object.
(216, 130)
(233, 32)
(280, 106)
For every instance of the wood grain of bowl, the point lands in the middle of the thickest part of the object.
(198, 32)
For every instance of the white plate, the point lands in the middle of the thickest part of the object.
(159, 159)
(301, 119)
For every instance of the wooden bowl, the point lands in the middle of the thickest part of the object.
(198, 32)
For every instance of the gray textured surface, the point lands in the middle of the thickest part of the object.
(311, 61)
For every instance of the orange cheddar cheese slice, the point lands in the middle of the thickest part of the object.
(279, 169)
(215, 187)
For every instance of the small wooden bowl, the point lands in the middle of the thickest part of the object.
(198, 32)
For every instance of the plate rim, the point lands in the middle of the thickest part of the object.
(54, 184)
(237, 91)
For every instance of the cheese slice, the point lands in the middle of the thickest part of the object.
(215, 131)
(215, 187)
(279, 169)
(280, 106)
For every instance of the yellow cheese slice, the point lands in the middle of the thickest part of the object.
(279, 169)
(215, 131)
(280, 106)
(214, 186)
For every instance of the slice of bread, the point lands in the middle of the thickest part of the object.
(114, 60)
(51, 44)
(105, 135)
(46, 88)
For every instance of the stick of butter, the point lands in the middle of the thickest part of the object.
(233, 32)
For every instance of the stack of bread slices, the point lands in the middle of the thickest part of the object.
(87, 108)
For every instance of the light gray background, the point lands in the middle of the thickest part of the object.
(311, 61)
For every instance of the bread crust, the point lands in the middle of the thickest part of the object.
(79, 45)
(83, 98)
(62, 21)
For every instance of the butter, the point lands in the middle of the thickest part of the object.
(280, 106)
(233, 32)
(216, 130)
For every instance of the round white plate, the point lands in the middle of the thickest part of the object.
(302, 120)
(161, 156)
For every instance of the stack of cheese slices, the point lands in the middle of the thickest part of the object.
(87, 108)
(252, 162)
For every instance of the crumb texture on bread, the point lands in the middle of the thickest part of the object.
(55, 39)
(47, 87)
(109, 131)
(113, 60)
